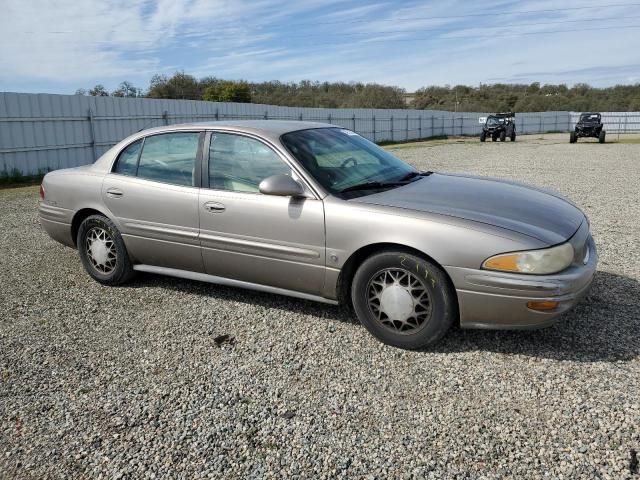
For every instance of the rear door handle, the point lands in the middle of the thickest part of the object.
(114, 193)
(214, 207)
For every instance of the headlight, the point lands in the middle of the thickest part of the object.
(537, 262)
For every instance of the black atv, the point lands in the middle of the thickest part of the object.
(499, 125)
(589, 125)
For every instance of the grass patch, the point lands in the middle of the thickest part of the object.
(430, 142)
(18, 191)
(630, 140)
(15, 178)
(388, 143)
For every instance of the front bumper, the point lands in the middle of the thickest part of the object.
(496, 300)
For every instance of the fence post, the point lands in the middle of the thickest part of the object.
(620, 126)
(626, 120)
(266, 114)
(556, 127)
(374, 128)
(420, 126)
(407, 129)
(354, 122)
(300, 117)
(93, 136)
(329, 117)
(540, 126)
(432, 130)
(165, 117)
(392, 128)
(217, 114)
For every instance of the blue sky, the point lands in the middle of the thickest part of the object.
(57, 46)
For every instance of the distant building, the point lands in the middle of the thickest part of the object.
(409, 97)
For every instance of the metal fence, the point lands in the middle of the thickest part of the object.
(42, 132)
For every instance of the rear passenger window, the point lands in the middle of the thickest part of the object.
(128, 160)
(170, 158)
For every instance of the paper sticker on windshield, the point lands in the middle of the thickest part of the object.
(349, 132)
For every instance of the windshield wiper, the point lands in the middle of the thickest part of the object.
(371, 186)
(414, 174)
(375, 185)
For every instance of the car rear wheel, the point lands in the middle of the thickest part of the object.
(572, 137)
(601, 136)
(503, 136)
(513, 137)
(102, 251)
(494, 138)
(403, 300)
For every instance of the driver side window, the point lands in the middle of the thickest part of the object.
(238, 163)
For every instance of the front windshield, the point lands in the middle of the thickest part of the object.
(588, 117)
(491, 121)
(339, 159)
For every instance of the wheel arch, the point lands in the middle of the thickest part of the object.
(79, 217)
(348, 270)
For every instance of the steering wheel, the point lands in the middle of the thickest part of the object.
(350, 159)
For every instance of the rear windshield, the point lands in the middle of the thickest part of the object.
(589, 117)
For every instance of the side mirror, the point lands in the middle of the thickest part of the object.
(281, 185)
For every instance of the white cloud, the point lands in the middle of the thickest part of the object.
(68, 43)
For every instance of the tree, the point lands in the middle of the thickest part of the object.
(80, 91)
(228, 91)
(379, 96)
(126, 89)
(99, 91)
(180, 85)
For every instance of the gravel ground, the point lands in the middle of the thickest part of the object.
(129, 382)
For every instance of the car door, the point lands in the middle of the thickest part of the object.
(153, 193)
(252, 237)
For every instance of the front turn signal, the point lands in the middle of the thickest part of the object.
(543, 306)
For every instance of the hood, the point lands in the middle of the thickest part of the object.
(527, 210)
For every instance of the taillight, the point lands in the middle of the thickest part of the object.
(41, 192)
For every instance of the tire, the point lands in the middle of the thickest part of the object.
(573, 137)
(601, 136)
(483, 136)
(108, 262)
(404, 325)
(513, 137)
(503, 136)
(494, 138)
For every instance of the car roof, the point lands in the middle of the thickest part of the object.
(268, 128)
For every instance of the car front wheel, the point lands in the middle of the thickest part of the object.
(403, 300)
(601, 137)
(102, 251)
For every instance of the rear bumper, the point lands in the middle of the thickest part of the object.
(56, 222)
(495, 300)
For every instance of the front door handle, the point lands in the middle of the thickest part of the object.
(114, 193)
(214, 207)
